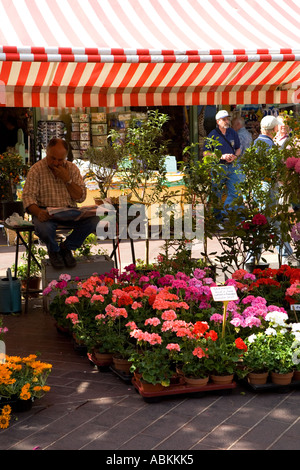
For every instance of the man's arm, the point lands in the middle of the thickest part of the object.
(63, 173)
(41, 214)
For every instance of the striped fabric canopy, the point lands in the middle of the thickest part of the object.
(74, 53)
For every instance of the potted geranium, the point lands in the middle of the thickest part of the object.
(227, 353)
(279, 338)
(98, 312)
(255, 365)
(56, 293)
(196, 358)
(243, 242)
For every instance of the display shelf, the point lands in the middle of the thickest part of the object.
(179, 389)
(270, 386)
(47, 130)
(127, 378)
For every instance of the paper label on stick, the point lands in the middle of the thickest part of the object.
(295, 307)
(224, 293)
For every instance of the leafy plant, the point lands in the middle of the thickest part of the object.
(12, 169)
(199, 187)
(241, 240)
(144, 149)
(35, 270)
(103, 165)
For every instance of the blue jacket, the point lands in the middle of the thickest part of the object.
(226, 147)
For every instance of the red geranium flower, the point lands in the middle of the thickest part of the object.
(240, 344)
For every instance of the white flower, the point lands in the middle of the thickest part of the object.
(271, 331)
(252, 338)
(277, 318)
(295, 326)
(295, 357)
(297, 335)
(283, 331)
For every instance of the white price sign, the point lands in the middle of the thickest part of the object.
(295, 307)
(224, 293)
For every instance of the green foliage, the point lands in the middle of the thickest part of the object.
(255, 358)
(199, 176)
(35, 271)
(12, 169)
(144, 151)
(103, 165)
(153, 364)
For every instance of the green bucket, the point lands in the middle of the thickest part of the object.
(10, 294)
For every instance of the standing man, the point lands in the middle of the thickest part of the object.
(56, 182)
(268, 129)
(246, 140)
(230, 148)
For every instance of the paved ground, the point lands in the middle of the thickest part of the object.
(88, 409)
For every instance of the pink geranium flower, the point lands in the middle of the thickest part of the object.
(173, 347)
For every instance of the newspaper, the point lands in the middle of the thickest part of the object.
(72, 213)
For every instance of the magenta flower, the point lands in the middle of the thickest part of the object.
(259, 219)
(291, 162)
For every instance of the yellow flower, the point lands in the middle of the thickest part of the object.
(25, 394)
(6, 410)
(4, 421)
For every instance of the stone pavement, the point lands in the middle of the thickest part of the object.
(88, 409)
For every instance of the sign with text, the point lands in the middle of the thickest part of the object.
(224, 293)
(295, 307)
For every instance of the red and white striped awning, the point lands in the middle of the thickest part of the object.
(74, 53)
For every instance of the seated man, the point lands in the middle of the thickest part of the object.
(56, 182)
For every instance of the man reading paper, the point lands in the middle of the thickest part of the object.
(56, 182)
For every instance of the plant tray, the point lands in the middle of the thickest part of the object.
(127, 378)
(270, 386)
(181, 388)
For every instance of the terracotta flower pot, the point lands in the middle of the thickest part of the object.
(258, 378)
(121, 364)
(150, 388)
(196, 381)
(222, 379)
(103, 359)
(296, 375)
(282, 379)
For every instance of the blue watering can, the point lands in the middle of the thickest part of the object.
(10, 294)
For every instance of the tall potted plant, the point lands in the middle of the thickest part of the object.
(103, 165)
(12, 169)
(144, 149)
(35, 271)
(199, 189)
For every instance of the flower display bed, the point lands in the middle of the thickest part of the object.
(179, 389)
(171, 323)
